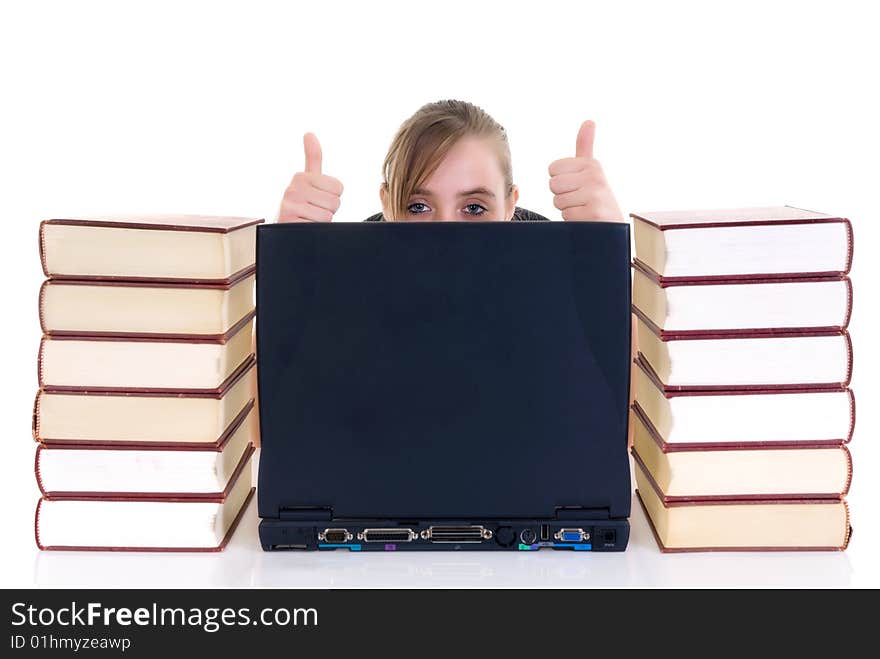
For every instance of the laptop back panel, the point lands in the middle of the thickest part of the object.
(420, 373)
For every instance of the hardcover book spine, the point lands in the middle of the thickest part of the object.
(35, 419)
(40, 545)
(849, 358)
(41, 305)
(37, 457)
(849, 472)
(40, 354)
(850, 246)
(852, 416)
(42, 238)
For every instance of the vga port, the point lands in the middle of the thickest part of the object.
(571, 535)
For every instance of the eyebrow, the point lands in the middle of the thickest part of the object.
(466, 193)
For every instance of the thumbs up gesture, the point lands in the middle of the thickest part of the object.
(311, 195)
(579, 186)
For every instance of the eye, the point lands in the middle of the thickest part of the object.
(475, 209)
(417, 208)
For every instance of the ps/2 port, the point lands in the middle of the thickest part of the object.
(528, 536)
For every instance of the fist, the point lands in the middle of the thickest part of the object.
(311, 196)
(578, 184)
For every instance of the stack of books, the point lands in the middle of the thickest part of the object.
(144, 414)
(742, 406)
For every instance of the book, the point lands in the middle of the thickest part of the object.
(743, 242)
(742, 471)
(72, 470)
(769, 417)
(814, 359)
(137, 523)
(104, 363)
(743, 525)
(741, 305)
(192, 248)
(146, 308)
(137, 417)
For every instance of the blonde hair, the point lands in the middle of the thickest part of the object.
(423, 141)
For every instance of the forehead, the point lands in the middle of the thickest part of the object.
(471, 163)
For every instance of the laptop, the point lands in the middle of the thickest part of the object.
(444, 386)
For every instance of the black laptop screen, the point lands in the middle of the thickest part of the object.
(443, 370)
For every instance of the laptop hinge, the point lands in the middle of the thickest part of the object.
(581, 512)
(309, 513)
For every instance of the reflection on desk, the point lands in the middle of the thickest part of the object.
(244, 564)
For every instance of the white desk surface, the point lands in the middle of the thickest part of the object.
(244, 564)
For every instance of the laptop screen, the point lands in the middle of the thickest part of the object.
(414, 370)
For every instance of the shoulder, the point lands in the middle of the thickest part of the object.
(519, 215)
(523, 215)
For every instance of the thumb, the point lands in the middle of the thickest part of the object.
(313, 153)
(586, 134)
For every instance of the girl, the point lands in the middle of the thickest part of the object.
(451, 161)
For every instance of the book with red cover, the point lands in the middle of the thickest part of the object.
(140, 418)
(177, 248)
(695, 306)
(158, 471)
(744, 243)
(755, 361)
(743, 524)
(146, 308)
(148, 363)
(154, 519)
(741, 472)
(687, 419)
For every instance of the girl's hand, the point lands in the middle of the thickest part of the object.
(579, 186)
(311, 196)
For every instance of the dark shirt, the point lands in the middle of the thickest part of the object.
(519, 215)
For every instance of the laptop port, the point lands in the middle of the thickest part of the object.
(457, 534)
(334, 536)
(608, 537)
(571, 535)
(528, 536)
(505, 536)
(387, 535)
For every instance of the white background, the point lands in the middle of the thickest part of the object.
(200, 107)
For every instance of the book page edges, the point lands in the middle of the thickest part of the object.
(124, 445)
(732, 499)
(218, 548)
(178, 497)
(681, 550)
